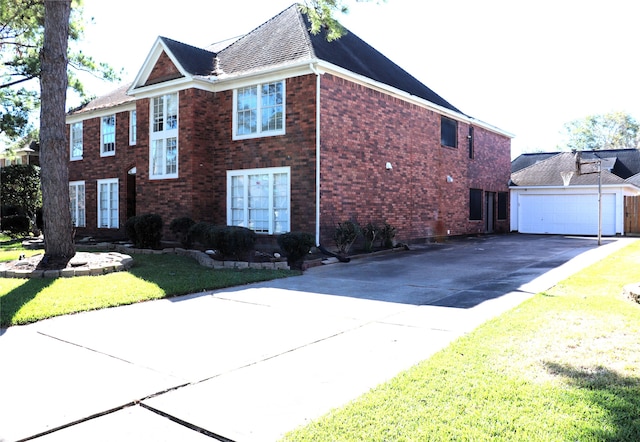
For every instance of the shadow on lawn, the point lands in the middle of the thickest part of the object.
(13, 301)
(618, 395)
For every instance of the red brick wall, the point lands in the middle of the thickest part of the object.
(363, 129)
(164, 70)
(92, 167)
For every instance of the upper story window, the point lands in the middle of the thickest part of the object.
(471, 140)
(163, 143)
(108, 136)
(448, 132)
(133, 128)
(75, 138)
(259, 110)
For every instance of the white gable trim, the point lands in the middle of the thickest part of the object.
(152, 58)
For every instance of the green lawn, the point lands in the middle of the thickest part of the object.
(152, 277)
(563, 366)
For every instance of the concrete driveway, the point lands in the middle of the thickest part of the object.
(253, 362)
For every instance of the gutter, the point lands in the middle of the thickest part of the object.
(315, 71)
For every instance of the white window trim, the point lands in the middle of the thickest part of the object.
(102, 151)
(72, 139)
(270, 171)
(164, 135)
(259, 133)
(133, 128)
(108, 224)
(75, 184)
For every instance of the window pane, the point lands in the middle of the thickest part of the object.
(158, 114)
(502, 205)
(448, 132)
(157, 151)
(247, 110)
(172, 111)
(109, 133)
(76, 140)
(272, 109)
(475, 204)
(172, 156)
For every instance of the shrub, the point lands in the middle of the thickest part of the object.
(180, 227)
(345, 235)
(236, 241)
(16, 225)
(370, 232)
(387, 234)
(145, 231)
(231, 241)
(295, 246)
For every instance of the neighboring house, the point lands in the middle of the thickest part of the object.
(549, 195)
(283, 131)
(28, 154)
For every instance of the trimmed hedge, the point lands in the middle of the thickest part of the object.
(145, 231)
(232, 241)
(296, 245)
(180, 227)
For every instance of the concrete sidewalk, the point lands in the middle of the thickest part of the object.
(251, 363)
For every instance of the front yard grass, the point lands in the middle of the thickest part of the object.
(152, 277)
(563, 366)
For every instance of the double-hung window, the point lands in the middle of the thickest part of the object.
(108, 136)
(75, 137)
(259, 199)
(259, 110)
(77, 203)
(108, 203)
(163, 146)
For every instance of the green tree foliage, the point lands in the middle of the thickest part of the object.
(615, 130)
(20, 189)
(21, 42)
(321, 14)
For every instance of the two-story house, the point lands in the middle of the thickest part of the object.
(281, 131)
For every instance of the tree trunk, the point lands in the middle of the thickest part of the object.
(54, 160)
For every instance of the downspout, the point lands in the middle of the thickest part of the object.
(315, 71)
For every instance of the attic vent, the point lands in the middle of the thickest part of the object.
(217, 69)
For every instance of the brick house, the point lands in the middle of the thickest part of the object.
(281, 130)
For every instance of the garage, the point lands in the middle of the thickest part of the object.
(566, 214)
(549, 195)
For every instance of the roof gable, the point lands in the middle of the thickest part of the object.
(163, 70)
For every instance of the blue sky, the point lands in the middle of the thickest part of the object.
(524, 66)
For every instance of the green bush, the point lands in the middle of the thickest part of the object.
(370, 232)
(145, 231)
(345, 235)
(231, 241)
(295, 246)
(237, 242)
(16, 225)
(180, 227)
(387, 234)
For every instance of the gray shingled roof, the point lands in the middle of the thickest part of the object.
(115, 97)
(284, 40)
(548, 172)
(194, 60)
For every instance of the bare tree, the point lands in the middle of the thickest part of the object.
(53, 158)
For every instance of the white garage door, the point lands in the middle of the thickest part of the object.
(566, 214)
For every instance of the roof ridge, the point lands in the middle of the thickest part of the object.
(259, 27)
